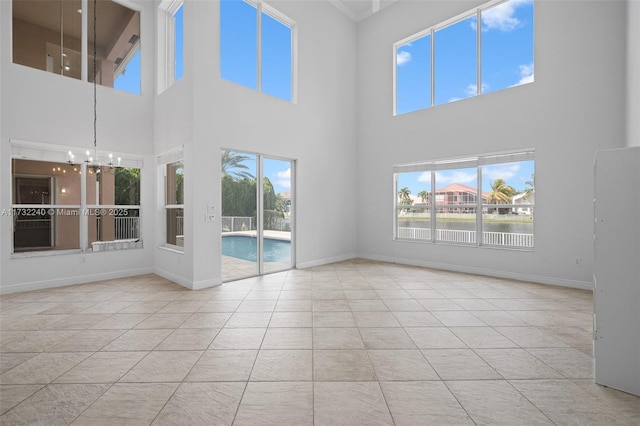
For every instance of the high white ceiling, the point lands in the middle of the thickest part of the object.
(358, 10)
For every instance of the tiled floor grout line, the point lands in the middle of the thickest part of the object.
(338, 289)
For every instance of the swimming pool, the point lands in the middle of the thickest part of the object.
(245, 247)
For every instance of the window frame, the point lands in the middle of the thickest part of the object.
(44, 152)
(163, 160)
(86, 51)
(166, 35)
(261, 7)
(431, 31)
(479, 205)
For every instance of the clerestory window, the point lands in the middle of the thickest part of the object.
(170, 43)
(58, 37)
(458, 58)
(257, 48)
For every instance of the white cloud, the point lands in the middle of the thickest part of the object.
(283, 179)
(504, 171)
(526, 75)
(402, 57)
(472, 89)
(425, 178)
(455, 177)
(502, 17)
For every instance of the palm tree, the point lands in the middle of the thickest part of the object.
(404, 195)
(532, 186)
(423, 196)
(233, 167)
(501, 193)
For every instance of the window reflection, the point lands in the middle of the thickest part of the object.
(47, 35)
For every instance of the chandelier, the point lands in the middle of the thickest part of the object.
(93, 162)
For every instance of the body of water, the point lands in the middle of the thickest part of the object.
(508, 227)
(246, 248)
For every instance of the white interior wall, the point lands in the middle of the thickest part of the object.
(633, 73)
(575, 107)
(173, 127)
(3, 154)
(567, 114)
(319, 132)
(43, 107)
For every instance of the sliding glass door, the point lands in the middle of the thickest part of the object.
(257, 214)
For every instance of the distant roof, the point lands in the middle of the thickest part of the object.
(457, 187)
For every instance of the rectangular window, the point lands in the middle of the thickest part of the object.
(465, 59)
(69, 205)
(455, 220)
(276, 57)
(48, 35)
(113, 202)
(117, 47)
(413, 75)
(174, 203)
(238, 42)
(170, 33)
(413, 210)
(46, 205)
(507, 210)
(257, 48)
(507, 45)
(178, 43)
(486, 200)
(455, 61)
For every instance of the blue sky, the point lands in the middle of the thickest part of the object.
(514, 174)
(239, 49)
(129, 80)
(507, 61)
(278, 171)
(507, 58)
(179, 42)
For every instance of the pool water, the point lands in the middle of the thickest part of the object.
(245, 247)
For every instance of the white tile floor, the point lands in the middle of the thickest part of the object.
(350, 343)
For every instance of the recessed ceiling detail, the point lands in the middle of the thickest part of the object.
(357, 10)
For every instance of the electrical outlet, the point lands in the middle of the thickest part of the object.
(83, 259)
(577, 261)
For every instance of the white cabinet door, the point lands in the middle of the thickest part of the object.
(617, 269)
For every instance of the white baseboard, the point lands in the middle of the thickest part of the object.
(319, 262)
(184, 282)
(199, 285)
(540, 279)
(173, 277)
(80, 279)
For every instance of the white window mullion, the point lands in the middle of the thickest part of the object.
(170, 65)
(479, 51)
(395, 206)
(84, 53)
(395, 79)
(433, 67)
(84, 218)
(432, 218)
(259, 47)
(479, 225)
(260, 214)
(294, 63)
